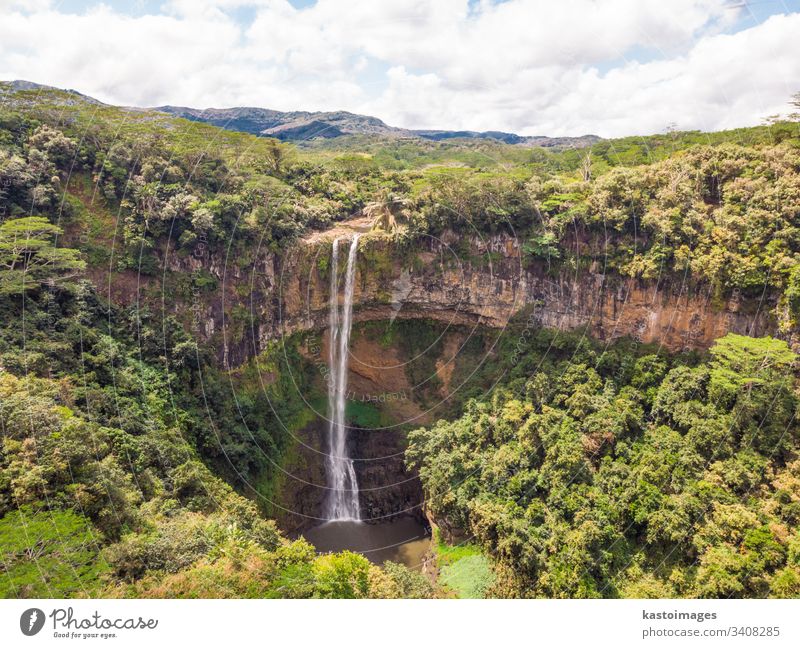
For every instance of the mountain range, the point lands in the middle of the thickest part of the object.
(300, 125)
(303, 125)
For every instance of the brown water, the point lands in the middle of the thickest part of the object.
(402, 540)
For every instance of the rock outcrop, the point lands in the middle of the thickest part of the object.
(387, 488)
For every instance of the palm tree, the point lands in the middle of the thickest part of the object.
(388, 213)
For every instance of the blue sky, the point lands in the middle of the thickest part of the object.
(611, 67)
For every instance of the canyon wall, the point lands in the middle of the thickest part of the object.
(485, 283)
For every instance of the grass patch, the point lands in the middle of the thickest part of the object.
(463, 569)
(468, 577)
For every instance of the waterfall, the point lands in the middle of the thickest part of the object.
(342, 500)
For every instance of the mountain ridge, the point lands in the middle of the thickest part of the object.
(304, 125)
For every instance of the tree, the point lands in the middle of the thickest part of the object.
(275, 156)
(48, 553)
(753, 378)
(387, 213)
(742, 362)
(344, 575)
(586, 167)
(29, 256)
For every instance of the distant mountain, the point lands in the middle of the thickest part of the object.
(295, 125)
(302, 125)
(510, 138)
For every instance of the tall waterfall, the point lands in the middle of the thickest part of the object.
(342, 501)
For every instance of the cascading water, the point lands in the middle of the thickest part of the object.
(342, 501)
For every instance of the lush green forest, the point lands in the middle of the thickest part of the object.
(618, 472)
(588, 470)
(720, 206)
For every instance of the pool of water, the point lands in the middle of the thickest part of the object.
(403, 540)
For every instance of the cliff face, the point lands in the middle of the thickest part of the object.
(492, 285)
(388, 489)
(465, 282)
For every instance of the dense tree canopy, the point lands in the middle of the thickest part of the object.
(666, 479)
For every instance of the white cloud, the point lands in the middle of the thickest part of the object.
(535, 67)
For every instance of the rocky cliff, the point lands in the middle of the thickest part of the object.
(461, 281)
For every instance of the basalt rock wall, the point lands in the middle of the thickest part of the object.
(484, 282)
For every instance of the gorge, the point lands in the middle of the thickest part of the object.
(462, 285)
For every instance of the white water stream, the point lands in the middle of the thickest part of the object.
(342, 500)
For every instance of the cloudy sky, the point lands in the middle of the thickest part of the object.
(534, 67)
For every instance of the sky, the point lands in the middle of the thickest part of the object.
(533, 67)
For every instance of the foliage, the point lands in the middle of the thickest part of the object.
(580, 479)
(614, 471)
(28, 256)
(106, 442)
(716, 208)
(387, 213)
(397, 581)
(47, 554)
